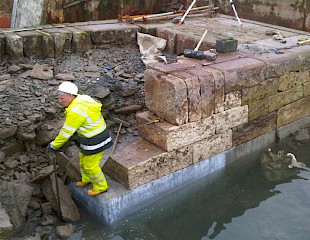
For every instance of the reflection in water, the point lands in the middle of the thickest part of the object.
(241, 201)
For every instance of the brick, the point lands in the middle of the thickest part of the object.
(142, 162)
(230, 118)
(241, 73)
(170, 137)
(211, 146)
(253, 129)
(166, 96)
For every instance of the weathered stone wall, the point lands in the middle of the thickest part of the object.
(286, 13)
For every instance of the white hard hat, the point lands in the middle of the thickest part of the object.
(68, 87)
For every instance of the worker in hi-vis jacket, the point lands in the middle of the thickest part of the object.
(83, 115)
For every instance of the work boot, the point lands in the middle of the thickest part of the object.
(93, 192)
(81, 184)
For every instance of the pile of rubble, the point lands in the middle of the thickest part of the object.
(30, 118)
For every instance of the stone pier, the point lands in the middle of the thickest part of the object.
(202, 115)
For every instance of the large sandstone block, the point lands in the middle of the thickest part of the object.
(258, 108)
(170, 137)
(241, 73)
(62, 39)
(170, 35)
(209, 89)
(81, 40)
(248, 131)
(32, 42)
(293, 112)
(232, 100)
(274, 102)
(260, 91)
(284, 98)
(142, 162)
(166, 96)
(293, 79)
(48, 45)
(280, 64)
(230, 118)
(171, 68)
(120, 33)
(14, 47)
(193, 95)
(211, 146)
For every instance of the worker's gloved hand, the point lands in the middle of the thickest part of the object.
(50, 148)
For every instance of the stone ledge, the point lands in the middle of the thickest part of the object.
(142, 162)
(170, 137)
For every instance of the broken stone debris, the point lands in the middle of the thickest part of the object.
(31, 117)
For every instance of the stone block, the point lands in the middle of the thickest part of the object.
(211, 146)
(32, 41)
(62, 39)
(293, 79)
(253, 129)
(260, 91)
(193, 95)
(230, 118)
(280, 64)
(232, 100)
(284, 98)
(14, 47)
(170, 36)
(293, 112)
(2, 47)
(170, 68)
(48, 45)
(207, 89)
(306, 89)
(241, 73)
(170, 137)
(166, 96)
(258, 108)
(120, 33)
(81, 40)
(142, 162)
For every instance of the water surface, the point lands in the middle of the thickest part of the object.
(235, 203)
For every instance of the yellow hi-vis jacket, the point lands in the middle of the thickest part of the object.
(83, 116)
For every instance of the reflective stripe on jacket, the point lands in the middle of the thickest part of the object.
(83, 116)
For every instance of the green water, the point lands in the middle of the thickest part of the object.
(234, 203)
